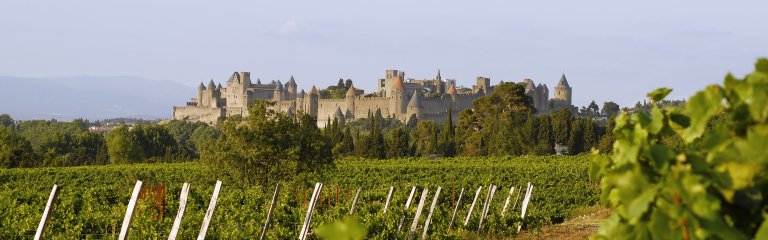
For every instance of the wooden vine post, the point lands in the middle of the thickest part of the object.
(471, 207)
(271, 211)
(209, 212)
(47, 212)
(415, 223)
(389, 198)
(506, 202)
(407, 205)
(129, 212)
(487, 207)
(308, 218)
(354, 202)
(429, 216)
(455, 209)
(180, 214)
(526, 201)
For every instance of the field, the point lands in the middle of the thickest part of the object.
(92, 201)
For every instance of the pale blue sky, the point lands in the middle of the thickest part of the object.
(609, 50)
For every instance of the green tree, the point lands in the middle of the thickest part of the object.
(346, 146)
(561, 124)
(448, 136)
(123, 146)
(576, 137)
(590, 135)
(397, 143)
(15, 151)
(610, 108)
(267, 146)
(425, 138)
(593, 108)
(606, 141)
(6, 120)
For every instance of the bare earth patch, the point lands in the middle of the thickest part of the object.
(582, 225)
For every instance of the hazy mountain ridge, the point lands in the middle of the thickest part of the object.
(90, 97)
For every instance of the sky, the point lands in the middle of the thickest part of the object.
(609, 50)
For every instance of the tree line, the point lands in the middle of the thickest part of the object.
(51, 143)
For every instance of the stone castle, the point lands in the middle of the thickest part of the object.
(426, 99)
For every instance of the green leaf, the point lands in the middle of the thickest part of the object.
(661, 155)
(659, 94)
(762, 65)
(700, 108)
(762, 232)
(639, 205)
(657, 121)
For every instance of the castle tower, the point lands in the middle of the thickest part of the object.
(291, 87)
(278, 94)
(482, 86)
(397, 96)
(313, 102)
(563, 92)
(245, 79)
(350, 98)
(452, 91)
(300, 101)
(200, 91)
(414, 107)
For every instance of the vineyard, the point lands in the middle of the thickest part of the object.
(93, 200)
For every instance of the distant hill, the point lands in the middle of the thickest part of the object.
(67, 98)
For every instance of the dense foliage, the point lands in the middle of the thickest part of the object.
(93, 199)
(713, 185)
(268, 146)
(42, 143)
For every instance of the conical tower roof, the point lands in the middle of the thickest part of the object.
(211, 85)
(279, 87)
(415, 101)
(292, 82)
(352, 91)
(452, 89)
(563, 81)
(301, 94)
(529, 83)
(338, 113)
(201, 87)
(438, 74)
(314, 90)
(219, 86)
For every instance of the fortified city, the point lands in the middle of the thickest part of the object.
(396, 97)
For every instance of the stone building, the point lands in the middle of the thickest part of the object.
(427, 99)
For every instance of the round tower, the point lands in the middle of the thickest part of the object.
(200, 90)
(397, 96)
(313, 102)
(414, 107)
(350, 98)
(452, 91)
(563, 92)
(278, 94)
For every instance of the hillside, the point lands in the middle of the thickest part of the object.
(90, 97)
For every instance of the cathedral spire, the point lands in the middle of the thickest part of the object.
(438, 75)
